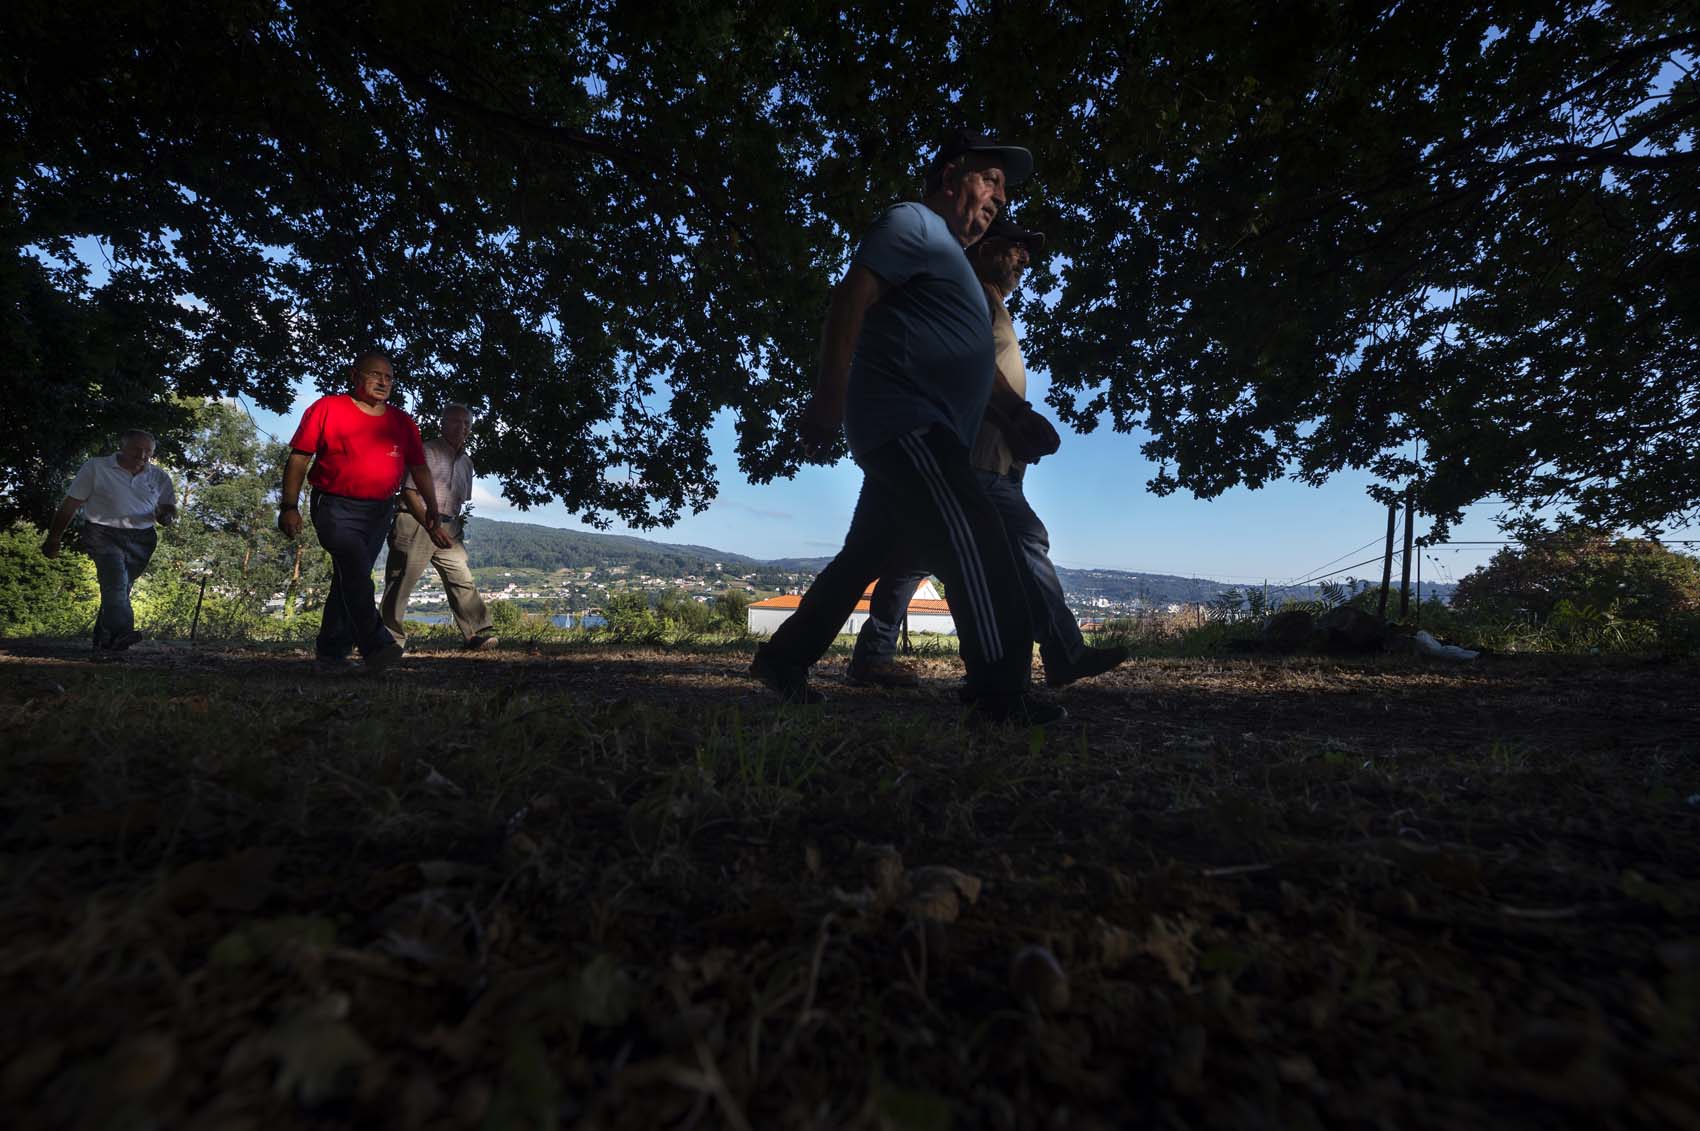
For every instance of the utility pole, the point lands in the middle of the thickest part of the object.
(1387, 561)
(1405, 567)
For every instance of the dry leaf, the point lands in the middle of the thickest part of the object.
(139, 1065)
(935, 875)
(1170, 943)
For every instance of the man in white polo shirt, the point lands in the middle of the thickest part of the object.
(122, 496)
(413, 547)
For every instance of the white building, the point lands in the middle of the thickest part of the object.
(927, 612)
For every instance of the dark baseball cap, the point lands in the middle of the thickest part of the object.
(1005, 228)
(1017, 162)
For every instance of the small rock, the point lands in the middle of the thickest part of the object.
(1037, 977)
(1296, 1070)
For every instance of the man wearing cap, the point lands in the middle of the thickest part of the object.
(122, 496)
(360, 449)
(907, 367)
(1011, 436)
(413, 547)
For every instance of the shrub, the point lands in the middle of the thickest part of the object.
(42, 596)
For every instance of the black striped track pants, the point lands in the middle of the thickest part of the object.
(922, 503)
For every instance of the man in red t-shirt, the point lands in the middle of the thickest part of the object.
(360, 449)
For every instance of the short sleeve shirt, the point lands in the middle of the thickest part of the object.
(451, 475)
(114, 497)
(356, 454)
(925, 353)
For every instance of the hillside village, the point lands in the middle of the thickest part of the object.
(549, 570)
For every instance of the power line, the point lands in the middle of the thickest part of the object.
(1342, 569)
(1325, 565)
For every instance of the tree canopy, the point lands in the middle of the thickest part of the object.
(1291, 239)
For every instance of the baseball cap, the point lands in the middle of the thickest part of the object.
(1005, 228)
(1017, 162)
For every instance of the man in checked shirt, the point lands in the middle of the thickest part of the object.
(413, 547)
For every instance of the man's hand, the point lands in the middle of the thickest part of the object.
(433, 520)
(440, 537)
(289, 521)
(165, 514)
(818, 427)
(50, 548)
(1030, 436)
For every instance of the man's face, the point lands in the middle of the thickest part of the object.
(976, 196)
(457, 426)
(136, 452)
(1000, 262)
(373, 380)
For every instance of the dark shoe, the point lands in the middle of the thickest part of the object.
(879, 671)
(124, 641)
(331, 665)
(1015, 710)
(480, 642)
(384, 659)
(1093, 661)
(788, 681)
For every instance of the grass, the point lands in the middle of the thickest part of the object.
(582, 883)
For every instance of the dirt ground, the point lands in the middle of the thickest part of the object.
(621, 887)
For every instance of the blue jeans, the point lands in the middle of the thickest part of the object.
(352, 532)
(1054, 626)
(921, 503)
(119, 556)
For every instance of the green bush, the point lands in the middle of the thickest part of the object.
(42, 596)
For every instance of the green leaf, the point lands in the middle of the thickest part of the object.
(910, 1109)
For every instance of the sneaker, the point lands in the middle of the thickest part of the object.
(879, 671)
(1093, 661)
(1015, 710)
(384, 658)
(789, 681)
(480, 642)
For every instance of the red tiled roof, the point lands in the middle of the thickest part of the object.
(917, 605)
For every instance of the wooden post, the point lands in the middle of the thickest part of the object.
(1387, 561)
(907, 650)
(1405, 567)
(195, 623)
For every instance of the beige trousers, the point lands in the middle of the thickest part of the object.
(411, 550)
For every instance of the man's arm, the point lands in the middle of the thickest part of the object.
(428, 491)
(289, 503)
(166, 512)
(856, 292)
(61, 519)
(415, 506)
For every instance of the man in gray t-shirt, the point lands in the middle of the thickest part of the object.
(907, 367)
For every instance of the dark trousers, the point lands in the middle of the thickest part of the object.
(1054, 625)
(921, 503)
(352, 532)
(119, 557)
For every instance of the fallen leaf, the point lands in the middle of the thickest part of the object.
(602, 993)
(238, 883)
(938, 875)
(140, 1064)
(910, 1109)
(26, 1071)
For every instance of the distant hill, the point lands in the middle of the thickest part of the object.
(522, 545)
